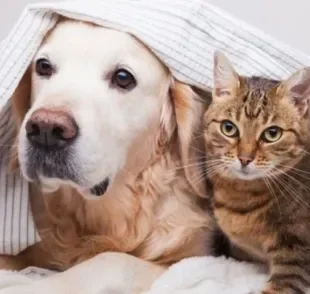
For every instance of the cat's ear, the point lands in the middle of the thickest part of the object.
(226, 79)
(297, 88)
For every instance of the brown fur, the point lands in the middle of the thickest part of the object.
(152, 210)
(267, 217)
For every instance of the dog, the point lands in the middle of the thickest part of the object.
(110, 143)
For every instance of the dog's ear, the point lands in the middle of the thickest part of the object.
(20, 104)
(189, 110)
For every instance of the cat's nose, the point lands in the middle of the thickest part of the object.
(245, 159)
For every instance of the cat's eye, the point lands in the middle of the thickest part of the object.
(229, 129)
(272, 134)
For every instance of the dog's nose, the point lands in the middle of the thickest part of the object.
(51, 128)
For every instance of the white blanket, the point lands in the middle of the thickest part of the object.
(210, 275)
(190, 276)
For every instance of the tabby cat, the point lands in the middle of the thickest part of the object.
(257, 146)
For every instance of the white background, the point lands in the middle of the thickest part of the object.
(287, 20)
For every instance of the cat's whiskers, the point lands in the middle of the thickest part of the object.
(305, 151)
(194, 163)
(205, 165)
(199, 151)
(207, 169)
(213, 164)
(291, 191)
(217, 177)
(199, 135)
(297, 173)
(216, 172)
(291, 194)
(281, 185)
(297, 170)
(198, 179)
(293, 179)
(269, 181)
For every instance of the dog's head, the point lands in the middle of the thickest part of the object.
(89, 95)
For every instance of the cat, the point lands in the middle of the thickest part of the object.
(257, 139)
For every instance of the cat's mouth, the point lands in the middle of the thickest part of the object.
(246, 173)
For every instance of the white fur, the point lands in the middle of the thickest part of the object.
(109, 119)
(250, 172)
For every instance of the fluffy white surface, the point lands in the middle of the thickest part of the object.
(201, 275)
(25, 277)
(190, 276)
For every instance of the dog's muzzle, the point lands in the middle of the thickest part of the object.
(51, 135)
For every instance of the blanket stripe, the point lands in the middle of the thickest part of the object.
(17, 229)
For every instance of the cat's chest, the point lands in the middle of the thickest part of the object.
(243, 221)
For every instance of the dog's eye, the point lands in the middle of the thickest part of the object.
(44, 68)
(122, 78)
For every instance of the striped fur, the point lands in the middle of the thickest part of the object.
(264, 207)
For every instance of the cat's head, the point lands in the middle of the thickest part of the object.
(255, 127)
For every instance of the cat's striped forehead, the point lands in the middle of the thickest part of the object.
(260, 83)
(256, 95)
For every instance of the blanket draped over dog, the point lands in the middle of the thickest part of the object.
(183, 34)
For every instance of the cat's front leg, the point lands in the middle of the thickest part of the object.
(289, 268)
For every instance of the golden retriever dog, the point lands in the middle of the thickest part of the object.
(110, 142)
